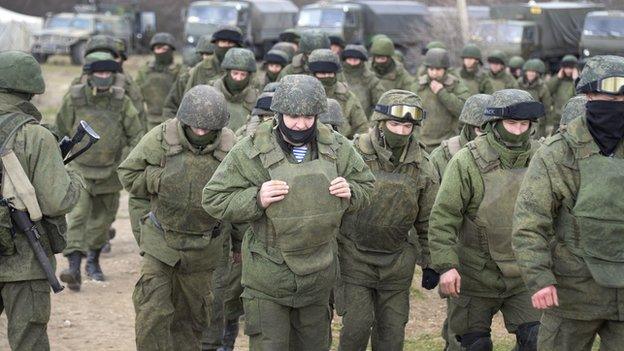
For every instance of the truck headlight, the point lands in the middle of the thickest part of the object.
(585, 52)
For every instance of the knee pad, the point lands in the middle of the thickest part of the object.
(478, 341)
(526, 336)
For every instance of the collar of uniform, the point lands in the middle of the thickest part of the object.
(187, 145)
(580, 139)
(13, 103)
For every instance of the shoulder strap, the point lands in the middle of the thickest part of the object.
(10, 123)
(118, 97)
(228, 139)
(341, 88)
(171, 137)
(485, 163)
(453, 145)
(78, 95)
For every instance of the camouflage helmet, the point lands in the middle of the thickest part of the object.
(290, 35)
(204, 45)
(229, 33)
(435, 44)
(102, 42)
(100, 61)
(598, 68)
(471, 51)
(397, 97)
(355, 51)
(286, 47)
(569, 61)
(497, 56)
(271, 87)
(336, 39)
(122, 48)
(372, 39)
(239, 59)
(20, 72)
(162, 38)
(437, 58)
(323, 60)
(574, 108)
(472, 113)
(534, 64)
(263, 105)
(313, 40)
(333, 115)
(299, 95)
(203, 107)
(516, 62)
(513, 104)
(382, 46)
(276, 56)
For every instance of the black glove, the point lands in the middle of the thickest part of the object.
(430, 278)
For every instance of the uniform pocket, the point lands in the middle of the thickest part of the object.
(40, 301)
(566, 264)
(252, 316)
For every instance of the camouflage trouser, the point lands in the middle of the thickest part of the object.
(27, 306)
(274, 327)
(88, 223)
(558, 333)
(233, 305)
(172, 307)
(451, 343)
(382, 313)
(138, 208)
(212, 336)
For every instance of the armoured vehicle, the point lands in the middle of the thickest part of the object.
(603, 34)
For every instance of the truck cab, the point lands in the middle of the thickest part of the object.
(603, 34)
(203, 17)
(335, 18)
(511, 36)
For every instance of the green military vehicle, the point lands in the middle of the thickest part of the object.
(603, 34)
(405, 22)
(67, 33)
(547, 31)
(260, 20)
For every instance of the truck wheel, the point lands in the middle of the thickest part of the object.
(41, 58)
(77, 53)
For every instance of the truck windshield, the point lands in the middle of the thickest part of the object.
(499, 33)
(333, 18)
(604, 26)
(213, 14)
(69, 22)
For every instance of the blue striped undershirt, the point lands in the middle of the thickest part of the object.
(299, 152)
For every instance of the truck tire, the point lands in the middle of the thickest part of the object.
(77, 53)
(41, 58)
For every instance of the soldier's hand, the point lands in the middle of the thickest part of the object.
(340, 187)
(450, 283)
(272, 191)
(545, 298)
(560, 73)
(575, 73)
(436, 86)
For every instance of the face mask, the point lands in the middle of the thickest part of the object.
(509, 139)
(383, 68)
(296, 137)
(272, 76)
(101, 83)
(329, 81)
(220, 53)
(605, 121)
(200, 141)
(164, 59)
(236, 86)
(392, 139)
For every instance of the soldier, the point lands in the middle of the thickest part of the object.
(190, 57)
(391, 73)
(309, 42)
(337, 44)
(286, 48)
(561, 86)
(24, 291)
(274, 62)
(567, 227)
(575, 107)
(325, 65)
(292, 180)
(532, 82)
(333, 117)
(179, 241)
(157, 77)
(443, 97)
(112, 114)
(499, 77)
(476, 80)
(259, 114)
(377, 251)
(470, 231)
(471, 118)
(515, 66)
(434, 44)
(292, 37)
(361, 79)
(236, 85)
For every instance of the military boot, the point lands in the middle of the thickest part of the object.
(93, 265)
(71, 275)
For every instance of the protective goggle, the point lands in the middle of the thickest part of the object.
(530, 110)
(610, 85)
(400, 112)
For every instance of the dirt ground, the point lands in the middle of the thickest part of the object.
(101, 316)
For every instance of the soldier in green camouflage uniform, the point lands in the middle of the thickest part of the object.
(156, 77)
(24, 291)
(292, 180)
(361, 79)
(286, 48)
(561, 85)
(567, 227)
(325, 65)
(179, 241)
(443, 97)
(309, 42)
(337, 44)
(497, 73)
(470, 227)
(259, 114)
(476, 80)
(515, 66)
(111, 113)
(377, 247)
(532, 82)
(236, 85)
(575, 107)
(391, 73)
(274, 63)
(434, 44)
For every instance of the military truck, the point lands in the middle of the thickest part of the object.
(404, 21)
(603, 34)
(66, 33)
(535, 30)
(260, 20)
